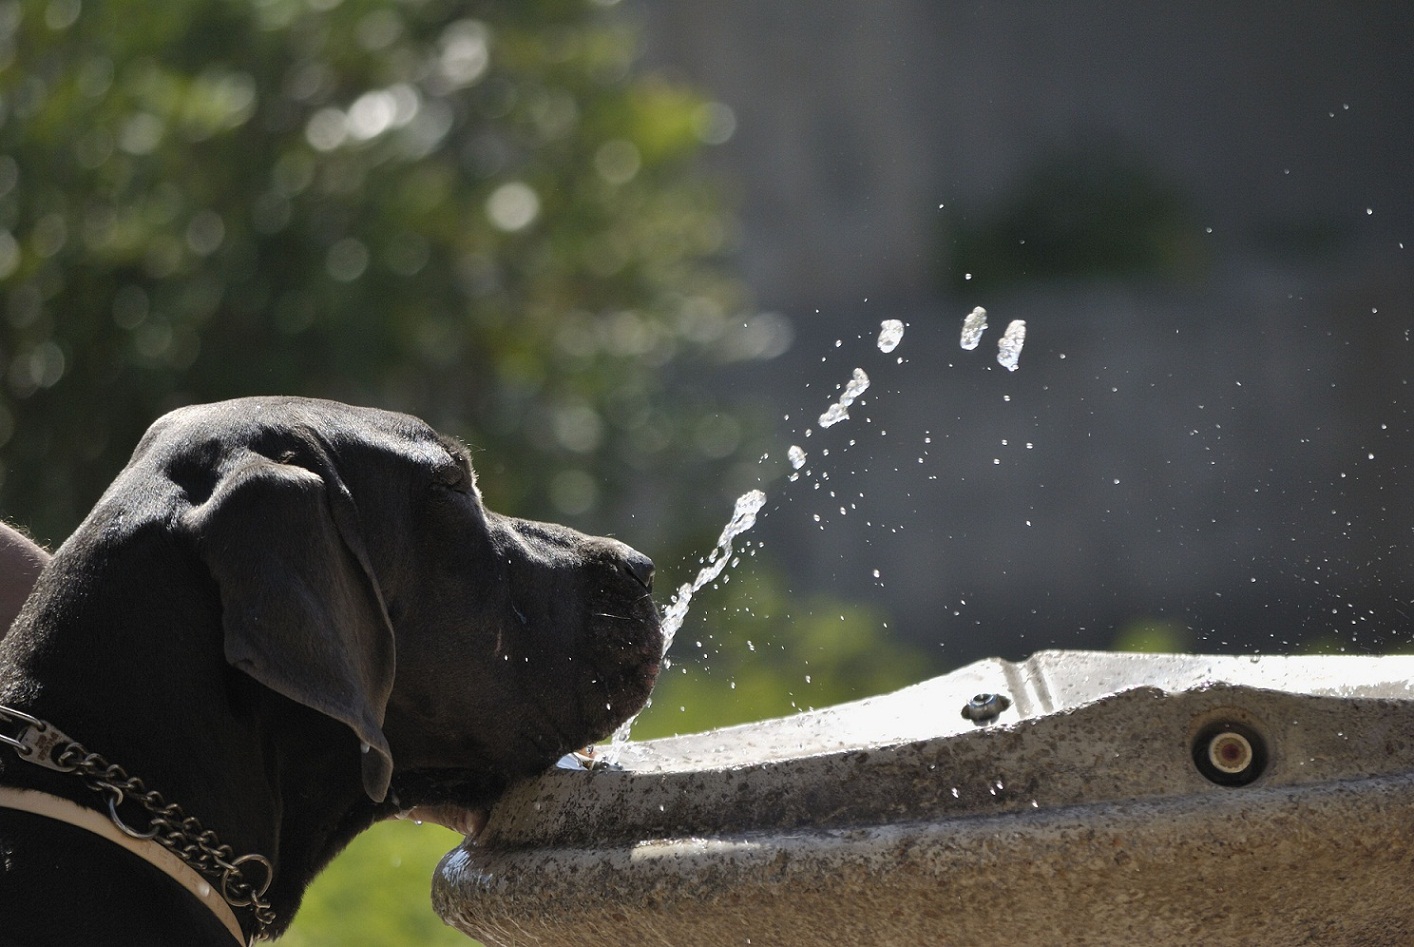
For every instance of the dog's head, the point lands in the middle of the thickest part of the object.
(360, 575)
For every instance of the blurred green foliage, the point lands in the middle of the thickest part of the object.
(1154, 636)
(378, 893)
(476, 212)
(751, 648)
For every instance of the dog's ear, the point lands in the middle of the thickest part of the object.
(302, 611)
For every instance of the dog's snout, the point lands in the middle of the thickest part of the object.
(640, 567)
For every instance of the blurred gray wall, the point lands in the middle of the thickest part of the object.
(1220, 442)
(856, 120)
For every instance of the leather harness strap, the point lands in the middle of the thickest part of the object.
(71, 813)
(193, 849)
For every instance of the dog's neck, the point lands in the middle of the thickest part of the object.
(94, 662)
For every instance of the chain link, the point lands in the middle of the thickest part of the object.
(168, 825)
(182, 834)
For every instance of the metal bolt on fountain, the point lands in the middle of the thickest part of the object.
(1076, 797)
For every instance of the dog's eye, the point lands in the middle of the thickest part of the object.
(452, 476)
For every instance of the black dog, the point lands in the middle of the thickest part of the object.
(291, 618)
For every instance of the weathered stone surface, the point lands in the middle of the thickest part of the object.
(1078, 817)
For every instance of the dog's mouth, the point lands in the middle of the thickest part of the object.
(623, 661)
(469, 822)
(593, 688)
(460, 800)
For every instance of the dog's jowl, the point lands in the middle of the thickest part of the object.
(285, 620)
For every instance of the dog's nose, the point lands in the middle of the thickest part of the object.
(640, 567)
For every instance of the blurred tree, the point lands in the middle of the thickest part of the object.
(475, 212)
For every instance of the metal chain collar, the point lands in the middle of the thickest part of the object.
(45, 745)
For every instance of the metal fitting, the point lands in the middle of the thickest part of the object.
(984, 708)
(1229, 753)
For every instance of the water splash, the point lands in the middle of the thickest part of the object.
(839, 411)
(743, 518)
(744, 514)
(1009, 345)
(748, 505)
(972, 328)
(890, 334)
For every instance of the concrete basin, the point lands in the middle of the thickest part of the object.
(1074, 798)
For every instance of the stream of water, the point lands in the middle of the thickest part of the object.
(748, 505)
(744, 514)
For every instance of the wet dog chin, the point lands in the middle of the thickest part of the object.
(468, 822)
(461, 800)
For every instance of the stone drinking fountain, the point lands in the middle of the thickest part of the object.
(1073, 798)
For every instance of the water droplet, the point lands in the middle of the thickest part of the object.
(890, 334)
(972, 328)
(1009, 345)
(838, 411)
